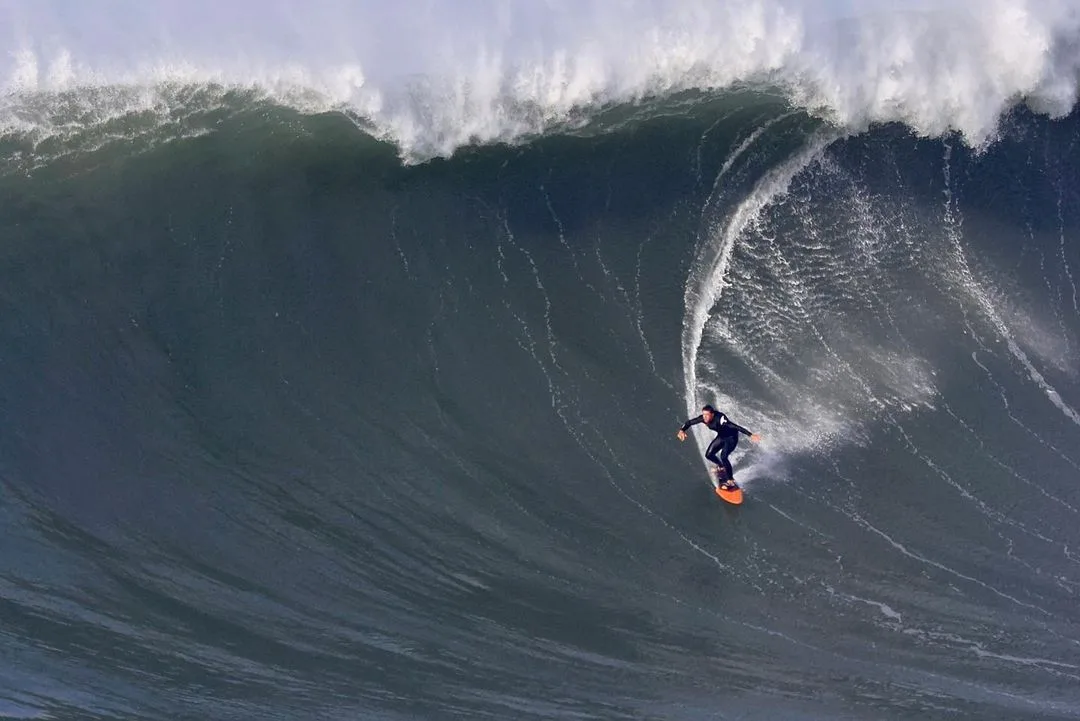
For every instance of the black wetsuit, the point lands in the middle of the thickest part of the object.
(727, 437)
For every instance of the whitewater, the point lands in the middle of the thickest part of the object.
(433, 77)
(343, 346)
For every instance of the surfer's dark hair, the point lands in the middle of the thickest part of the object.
(708, 408)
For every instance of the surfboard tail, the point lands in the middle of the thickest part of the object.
(733, 496)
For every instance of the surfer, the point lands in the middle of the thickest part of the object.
(727, 437)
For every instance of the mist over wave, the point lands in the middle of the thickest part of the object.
(435, 76)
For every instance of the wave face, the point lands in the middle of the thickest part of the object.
(296, 426)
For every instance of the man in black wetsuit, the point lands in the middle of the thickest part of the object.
(727, 437)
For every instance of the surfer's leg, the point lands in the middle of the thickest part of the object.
(729, 444)
(714, 448)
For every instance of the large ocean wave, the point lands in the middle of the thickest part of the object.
(343, 355)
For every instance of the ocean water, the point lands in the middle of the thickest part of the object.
(342, 350)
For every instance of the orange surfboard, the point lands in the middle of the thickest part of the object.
(734, 496)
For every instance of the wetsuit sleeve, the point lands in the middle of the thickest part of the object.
(691, 422)
(739, 428)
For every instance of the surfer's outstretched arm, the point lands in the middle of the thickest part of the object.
(739, 428)
(681, 435)
(691, 422)
(755, 437)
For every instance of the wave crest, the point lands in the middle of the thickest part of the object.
(436, 79)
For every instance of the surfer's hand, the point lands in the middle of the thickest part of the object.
(681, 435)
(755, 437)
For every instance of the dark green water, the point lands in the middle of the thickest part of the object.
(291, 430)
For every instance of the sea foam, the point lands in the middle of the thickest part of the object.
(437, 75)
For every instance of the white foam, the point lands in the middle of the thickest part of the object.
(708, 278)
(433, 76)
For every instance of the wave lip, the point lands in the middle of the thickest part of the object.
(436, 79)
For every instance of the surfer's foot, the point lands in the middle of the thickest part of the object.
(730, 486)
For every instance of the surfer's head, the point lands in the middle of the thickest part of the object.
(707, 412)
